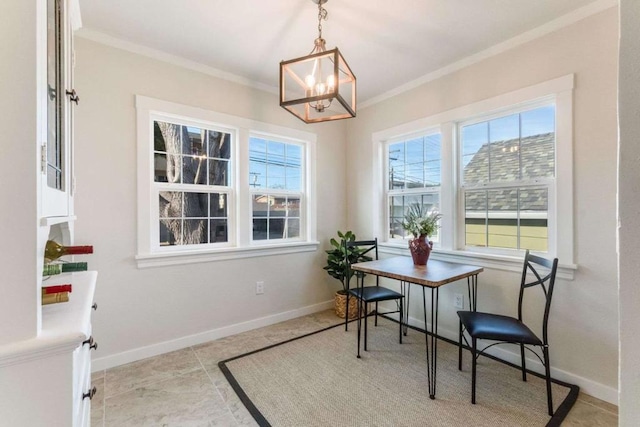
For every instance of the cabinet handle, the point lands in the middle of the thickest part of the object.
(73, 96)
(93, 346)
(88, 341)
(95, 306)
(90, 393)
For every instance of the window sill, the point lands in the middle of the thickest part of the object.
(497, 262)
(191, 257)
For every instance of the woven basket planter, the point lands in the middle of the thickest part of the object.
(341, 306)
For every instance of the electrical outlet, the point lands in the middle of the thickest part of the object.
(458, 301)
(259, 288)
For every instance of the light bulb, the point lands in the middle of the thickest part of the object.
(331, 82)
(321, 88)
(310, 81)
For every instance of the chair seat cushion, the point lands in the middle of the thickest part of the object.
(497, 327)
(375, 293)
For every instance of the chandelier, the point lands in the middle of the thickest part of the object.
(320, 86)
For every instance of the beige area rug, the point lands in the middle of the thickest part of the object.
(316, 380)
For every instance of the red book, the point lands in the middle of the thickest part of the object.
(56, 288)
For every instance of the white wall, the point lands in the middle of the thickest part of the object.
(20, 122)
(629, 211)
(149, 307)
(583, 323)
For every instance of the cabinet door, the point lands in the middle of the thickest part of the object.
(57, 149)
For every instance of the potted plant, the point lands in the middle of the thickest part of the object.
(422, 224)
(337, 268)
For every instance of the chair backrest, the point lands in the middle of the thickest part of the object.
(367, 250)
(532, 264)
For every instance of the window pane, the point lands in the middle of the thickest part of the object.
(219, 172)
(194, 170)
(160, 167)
(538, 143)
(415, 175)
(502, 218)
(276, 228)
(395, 155)
(196, 205)
(167, 168)
(294, 155)
(293, 228)
(278, 207)
(170, 134)
(398, 206)
(218, 205)
(275, 176)
(397, 178)
(158, 139)
(193, 141)
(414, 149)
(259, 229)
(218, 231)
(396, 216)
(534, 219)
(475, 206)
(257, 173)
(504, 158)
(293, 178)
(293, 207)
(219, 144)
(170, 204)
(195, 231)
(261, 205)
(475, 153)
(170, 232)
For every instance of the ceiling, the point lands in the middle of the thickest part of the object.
(387, 44)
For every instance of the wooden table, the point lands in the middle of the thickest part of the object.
(433, 275)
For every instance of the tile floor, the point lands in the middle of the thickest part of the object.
(186, 388)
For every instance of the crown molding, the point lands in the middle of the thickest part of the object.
(179, 61)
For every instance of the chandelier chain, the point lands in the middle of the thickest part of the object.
(322, 14)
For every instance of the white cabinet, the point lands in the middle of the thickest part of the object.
(58, 99)
(46, 381)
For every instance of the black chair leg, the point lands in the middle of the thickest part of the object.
(524, 367)
(366, 320)
(460, 347)
(401, 312)
(359, 324)
(346, 317)
(473, 370)
(547, 371)
(376, 323)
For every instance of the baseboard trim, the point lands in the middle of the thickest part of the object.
(102, 363)
(587, 386)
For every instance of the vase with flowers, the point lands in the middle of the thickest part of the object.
(422, 224)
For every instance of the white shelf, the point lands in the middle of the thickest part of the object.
(64, 325)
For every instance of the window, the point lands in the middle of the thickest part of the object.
(275, 177)
(213, 186)
(192, 178)
(508, 167)
(413, 166)
(499, 171)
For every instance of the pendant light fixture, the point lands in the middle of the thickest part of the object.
(320, 86)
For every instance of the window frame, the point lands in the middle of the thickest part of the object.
(561, 235)
(548, 183)
(239, 245)
(388, 193)
(284, 193)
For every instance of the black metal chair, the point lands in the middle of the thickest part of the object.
(511, 330)
(368, 294)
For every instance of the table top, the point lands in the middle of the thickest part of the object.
(435, 273)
